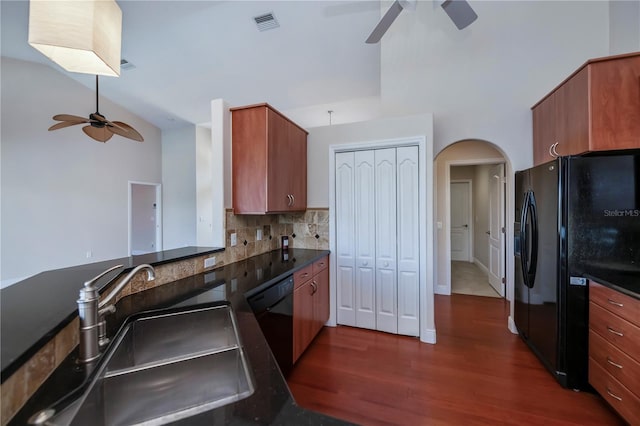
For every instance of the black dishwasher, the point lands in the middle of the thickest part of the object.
(273, 308)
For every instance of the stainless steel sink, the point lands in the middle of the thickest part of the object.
(165, 367)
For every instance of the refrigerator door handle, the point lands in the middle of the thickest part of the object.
(523, 237)
(533, 264)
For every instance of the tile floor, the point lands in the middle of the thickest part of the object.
(468, 278)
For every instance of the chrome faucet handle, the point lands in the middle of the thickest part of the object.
(92, 281)
(102, 325)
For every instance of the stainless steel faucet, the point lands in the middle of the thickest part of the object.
(92, 311)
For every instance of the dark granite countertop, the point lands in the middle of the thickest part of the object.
(34, 310)
(626, 282)
(271, 403)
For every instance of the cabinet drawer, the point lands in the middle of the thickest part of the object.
(616, 302)
(619, 397)
(320, 265)
(615, 330)
(302, 276)
(618, 364)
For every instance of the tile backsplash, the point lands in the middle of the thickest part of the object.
(308, 229)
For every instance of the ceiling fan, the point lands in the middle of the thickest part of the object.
(99, 128)
(459, 11)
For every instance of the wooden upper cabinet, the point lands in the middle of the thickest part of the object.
(269, 161)
(597, 108)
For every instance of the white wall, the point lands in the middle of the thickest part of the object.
(320, 142)
(320, 138)
(179, 187)
(624, 28)
(63, 193)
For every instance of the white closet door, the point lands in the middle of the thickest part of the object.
(345, 238)
(408, 245)
(385, 234)
(365, 194)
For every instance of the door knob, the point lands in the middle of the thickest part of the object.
(465, 225)
(386, 264)
(365, 263)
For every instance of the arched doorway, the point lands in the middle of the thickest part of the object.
(486, 172)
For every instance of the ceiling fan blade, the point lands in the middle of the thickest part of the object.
(101, 134)
(460, 12)
(69, 117)
(64, 124)
(124, 130)
(385, 22)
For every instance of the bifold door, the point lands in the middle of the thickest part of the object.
(377, 246)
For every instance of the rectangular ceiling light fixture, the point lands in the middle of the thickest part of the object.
(266, 21)
(80, 36)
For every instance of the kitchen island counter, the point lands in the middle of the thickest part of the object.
(271, 402)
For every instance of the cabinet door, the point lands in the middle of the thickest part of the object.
(544, 130)
(385, 236)
(303, 321)
(321, 299)
(297, 167)
(572, 115)
(278, 182)
(615, 104)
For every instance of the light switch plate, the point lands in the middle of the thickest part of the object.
(258, 234)
(234, 239)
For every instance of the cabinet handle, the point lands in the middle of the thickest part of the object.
(617, 333)
(614, 363)
(386, 264)
(550, 153)
(293, 200)
(315, 287)
(290, 198)
(613, 395)
(613, 302)
(365, 263)
(305, 275)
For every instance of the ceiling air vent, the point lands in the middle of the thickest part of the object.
(266, 21)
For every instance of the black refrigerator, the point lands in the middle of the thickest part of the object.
(576, 217)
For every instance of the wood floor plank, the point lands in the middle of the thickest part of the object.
(478, 373)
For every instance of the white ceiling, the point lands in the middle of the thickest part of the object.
(187, 53)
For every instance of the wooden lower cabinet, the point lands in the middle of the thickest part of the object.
(614, 349)
(310, 304)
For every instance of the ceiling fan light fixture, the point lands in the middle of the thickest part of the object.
(460, 12)
(83, 36)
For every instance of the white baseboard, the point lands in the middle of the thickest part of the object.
(428, 336)
(442, 289)
(481, 266)
(511, 324)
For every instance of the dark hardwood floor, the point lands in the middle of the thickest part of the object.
(478, 373)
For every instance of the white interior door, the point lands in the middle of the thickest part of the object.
(408, 241)
(145, 219)
(496, 228)
(365, 194)
(460, 220)
(345, 238)
(386, 232)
